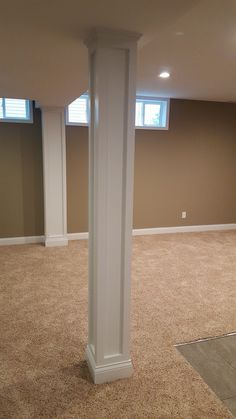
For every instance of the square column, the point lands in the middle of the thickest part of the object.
(54, 175)
(112, 58)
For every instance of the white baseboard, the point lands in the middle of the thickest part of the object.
(110, 372)
(62, 241)
(77, 236)
(183, 229)
(21, 240)
(166, 230)
(49, 242)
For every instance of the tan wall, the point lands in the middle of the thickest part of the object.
(77, 178)
(21, 182)
(191, 167)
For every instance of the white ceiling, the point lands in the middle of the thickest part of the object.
(43, 56)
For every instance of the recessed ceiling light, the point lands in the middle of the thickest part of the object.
(164, 75)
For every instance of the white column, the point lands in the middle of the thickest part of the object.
(54, 174)
(111, 159)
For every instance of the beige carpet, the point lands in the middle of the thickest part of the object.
(183, 288)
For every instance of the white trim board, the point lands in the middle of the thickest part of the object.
(77, 236)
(136, 232)
(21, 240)
(183, 229)
(166, 230)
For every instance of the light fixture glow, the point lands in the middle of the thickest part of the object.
(164, 75)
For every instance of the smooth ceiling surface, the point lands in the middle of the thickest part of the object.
(43, 56)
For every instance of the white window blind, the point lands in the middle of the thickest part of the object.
(77, 112)
(15, 110)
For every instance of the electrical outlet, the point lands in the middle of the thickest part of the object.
(184, 214)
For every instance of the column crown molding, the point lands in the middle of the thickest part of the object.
(109, 38)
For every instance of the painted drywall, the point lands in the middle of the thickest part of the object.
(21, 179)
(77, 178)
(191, 167)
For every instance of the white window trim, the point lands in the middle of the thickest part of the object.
(76, 124)
(145, 99)
(21, 120)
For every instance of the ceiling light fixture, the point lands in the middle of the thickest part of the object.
(164, 75)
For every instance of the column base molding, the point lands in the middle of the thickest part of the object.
(52, 241)
(110, 372)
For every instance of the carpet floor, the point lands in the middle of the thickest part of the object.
(183, 288)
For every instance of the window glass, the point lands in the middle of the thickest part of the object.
(139, 114)
(152, 113)
(14, 110)
(78, 111)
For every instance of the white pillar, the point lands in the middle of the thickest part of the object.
(111, 157)
(54, 174)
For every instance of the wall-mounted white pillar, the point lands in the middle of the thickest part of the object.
(54, 174)
(112, 57)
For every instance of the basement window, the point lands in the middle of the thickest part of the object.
(77, 112)
(15, 110)
(150, 113)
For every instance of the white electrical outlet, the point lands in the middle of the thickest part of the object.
(184, 214)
